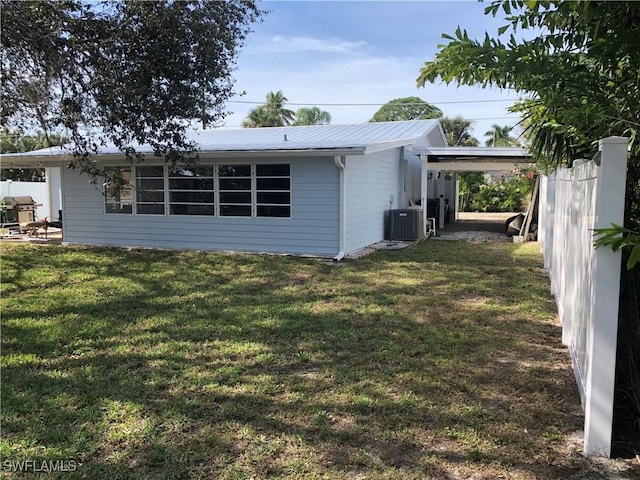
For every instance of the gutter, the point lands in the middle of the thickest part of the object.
(340, 164)
(27, 160)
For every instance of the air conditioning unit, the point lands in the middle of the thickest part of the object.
(405, 225)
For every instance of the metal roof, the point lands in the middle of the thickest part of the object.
(362, 138)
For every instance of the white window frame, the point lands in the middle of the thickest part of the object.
(133, 181)
(256, 191)
(131, 201)
(212, 191)
(164, 190)
(220, 204)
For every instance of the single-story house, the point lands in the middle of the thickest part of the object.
(315, 190)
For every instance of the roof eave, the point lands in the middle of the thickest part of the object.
(378, 147)
(17, 161)
(293, 152)
(12, 161)
(472, 151)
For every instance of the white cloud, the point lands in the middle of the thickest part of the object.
(338, 71)
(280, 45)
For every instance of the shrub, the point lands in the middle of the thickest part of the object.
(504, 195)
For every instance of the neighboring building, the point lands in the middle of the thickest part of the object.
(314, 190)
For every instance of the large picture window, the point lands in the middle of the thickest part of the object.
(191, 190)
(273, 190)
(118, 196)
(150, 190)
(235, 190)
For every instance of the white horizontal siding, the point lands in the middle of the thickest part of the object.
(371, 180)
(312, 228)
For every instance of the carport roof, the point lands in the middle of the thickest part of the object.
(475, 154)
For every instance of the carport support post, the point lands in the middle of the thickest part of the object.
(441, 196)
(456, 203)
(423, 192)
(54, 180)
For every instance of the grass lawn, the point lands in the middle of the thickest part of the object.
(443, 361)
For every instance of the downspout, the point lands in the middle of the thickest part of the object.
(340, 163)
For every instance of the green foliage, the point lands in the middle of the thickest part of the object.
(312, 116)
(500, 136)
(579, 72)
(618, 237)
(126, 72)
(509, 194)
(456, 131)
(275, 104)
(407, 108)
(272, 114)
(261, 117)
(468, 186)
(504, 195)
(14, 141)
(23, 174)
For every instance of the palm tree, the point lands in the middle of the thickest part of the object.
(271, 114)
(312, 116)
(456, 131)
(500, 136)
(261, 117)
(275, 103)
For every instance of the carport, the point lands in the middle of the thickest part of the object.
(438, 160)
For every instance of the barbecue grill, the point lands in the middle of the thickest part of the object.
(20, 209)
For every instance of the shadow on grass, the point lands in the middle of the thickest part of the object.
(146, 364)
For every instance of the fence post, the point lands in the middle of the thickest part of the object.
(549, 222)
(602, 337)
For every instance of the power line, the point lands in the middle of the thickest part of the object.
(248, 102)
(508, 117)
(504, 117)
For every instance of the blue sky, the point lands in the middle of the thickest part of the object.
(361, 54)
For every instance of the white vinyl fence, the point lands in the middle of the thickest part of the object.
(585, 281)
(38, 190)
(48, 193)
